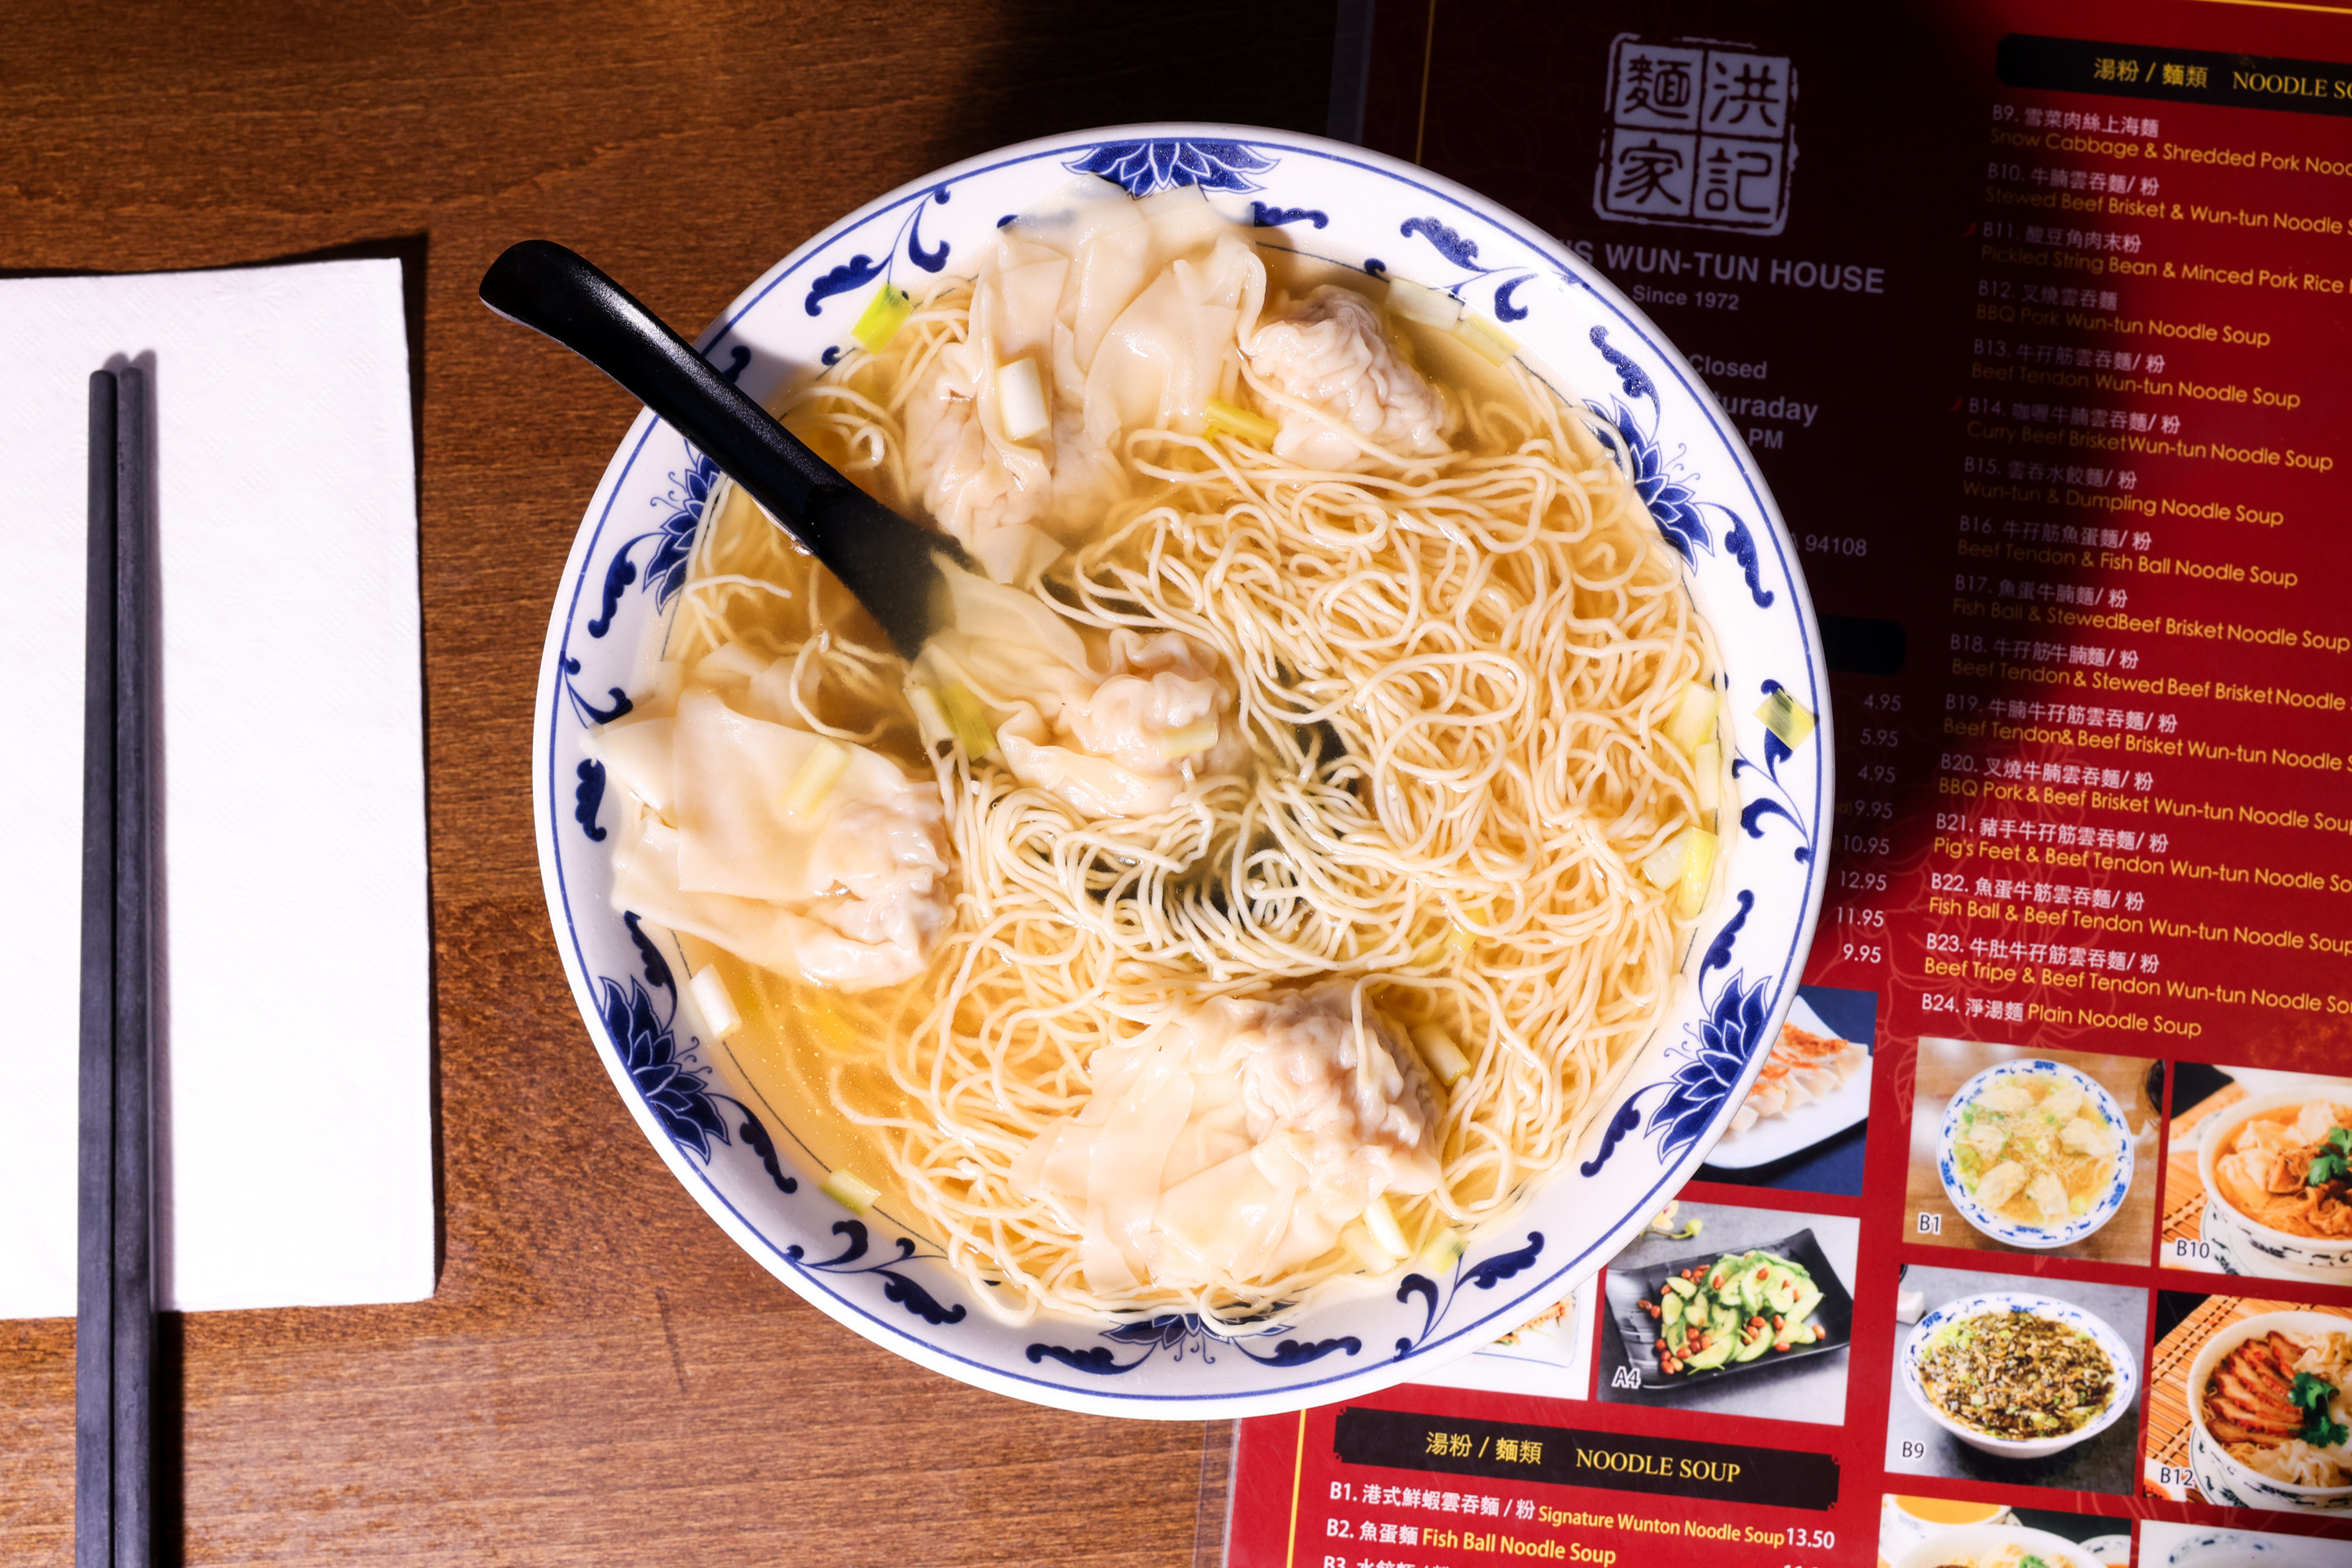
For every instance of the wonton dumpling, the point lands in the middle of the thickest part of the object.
(2047, 1194)
(2006, 1098)
(2314, 1122)
(848, 892)
(1331, 355)
(1235, 1141)
(2086, 1137)
(2000, 1183)
(1986, 1139)
(2063, 1102)
(1132, 312)
(1111, 732)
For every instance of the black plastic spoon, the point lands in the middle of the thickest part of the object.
(889, 562)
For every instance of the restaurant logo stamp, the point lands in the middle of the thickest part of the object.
(1699, 135)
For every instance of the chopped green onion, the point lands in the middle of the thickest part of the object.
(1444, 1247)
(884, 314)
(1382, 1222)
(1419, 302)
(1698, 869)
(1190, 740)
(1376, 1259)
(1239, 423)
(1786, 717)
(817, 772)
(1021, 400)
(968, 720)
(851, 1194)
(1693, 721)
(1437, 1048)
(1663, 866)
(1496, 344)
(930, 719)
(717, 1008)
(1706, 773)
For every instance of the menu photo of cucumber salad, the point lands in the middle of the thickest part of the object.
(1733, 1310)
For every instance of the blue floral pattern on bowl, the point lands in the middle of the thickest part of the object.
(878, 1274)
(2039, 1237)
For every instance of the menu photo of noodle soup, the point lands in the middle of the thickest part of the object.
(1735, 1310)
(2250, 1405)
(1953, 1532)
(2258, 1174)
(2021, 1150)
(2164, 1544)
(2021, 1379)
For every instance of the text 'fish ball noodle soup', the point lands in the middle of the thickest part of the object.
(2035, 1153)
(1295, 828)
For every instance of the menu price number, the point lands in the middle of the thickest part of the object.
(1863, 952)
(1872, 810)
(1861, 915)
(1805, 1540)
(1876, 773)
(1865, 844)
(1870, 737)
(2185, 1250)
(1863, 881)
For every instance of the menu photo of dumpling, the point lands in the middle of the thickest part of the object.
(2034, 1152)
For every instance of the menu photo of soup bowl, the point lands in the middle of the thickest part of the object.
(2017, 1380)
(2258, 1174)
(2250, 1405)
(1952, 1532)
(2164, 1544)
(2022, 1150)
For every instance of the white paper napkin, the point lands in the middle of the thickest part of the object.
(294, 1151)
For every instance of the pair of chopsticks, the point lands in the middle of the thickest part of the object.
(114, 1343)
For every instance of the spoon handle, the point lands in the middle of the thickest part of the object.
(879, 556)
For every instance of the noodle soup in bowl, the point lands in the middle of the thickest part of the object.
(848, 1076)
(2067, 1350)
(2255, 1160)
(2247, 1443)
(2035, 1153)
(1995, 1546)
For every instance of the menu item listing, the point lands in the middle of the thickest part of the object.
(2033, 317)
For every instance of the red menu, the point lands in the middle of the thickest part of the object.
(2036, 318)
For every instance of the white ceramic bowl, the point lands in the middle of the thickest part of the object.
(2241, 1245)
(1974, 1542)
(2126, 1370)
(1658, 1116)
(2222, 1477)
(2040, 1238)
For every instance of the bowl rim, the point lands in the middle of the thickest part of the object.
(2200, 1369)
(1776, 987)
(2126, 1393)
(1974, 1538)
(2229, 1119)
(2010, 1231)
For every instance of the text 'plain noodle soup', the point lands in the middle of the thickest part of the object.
(1258, 882)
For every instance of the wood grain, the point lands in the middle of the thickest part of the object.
(602, 1376)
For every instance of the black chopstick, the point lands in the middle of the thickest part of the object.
(114, 1350)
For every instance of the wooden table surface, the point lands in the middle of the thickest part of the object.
(603, 1377)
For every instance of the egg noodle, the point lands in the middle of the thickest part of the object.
(1453, 673)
